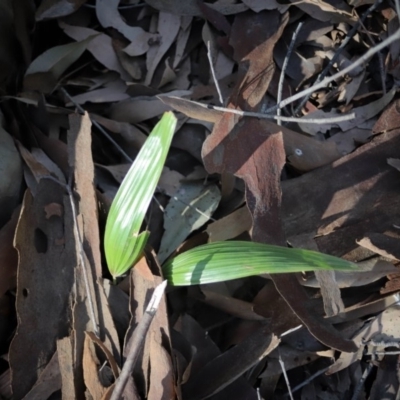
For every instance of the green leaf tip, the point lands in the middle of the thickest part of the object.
(223, 261)
(123, 242)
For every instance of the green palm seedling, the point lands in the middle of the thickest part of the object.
(123, 242)
(213, 262)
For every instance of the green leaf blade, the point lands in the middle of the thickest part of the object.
(222, 261)
(122, 242)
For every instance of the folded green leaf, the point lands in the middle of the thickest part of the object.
(223, 261)
(122, 242)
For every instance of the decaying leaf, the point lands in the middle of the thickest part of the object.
(46, 70)
(189, 209)
(46, 276)
(109, 16)
(101, 47)
(49, 9)
(339, 196)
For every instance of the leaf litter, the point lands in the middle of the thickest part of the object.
(325, 186)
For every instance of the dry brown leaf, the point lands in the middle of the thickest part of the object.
(259, 5)
(80, 160)
(49, 381)
(241, 146)
(109, 17)
(333, 303)
(168, 27)
(205, 352)
(182, 39)
(323, 11)
(362, 114)
(192, 8)
(45, 71)
(226, 368)
(101, 47)
(47, 260)
(67, 364)
(390, 118)
(230, 305)
(337, 204)
(50, 9)
(162, 387)
(230, 226)
(143, 280)
(91, 366)
(112, 92)
(369, 271)
(381, 244)
(381, 328)
(303, 153)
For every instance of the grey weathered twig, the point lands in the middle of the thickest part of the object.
(138, 338)
(209, 55)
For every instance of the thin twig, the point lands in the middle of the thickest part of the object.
(209, 55)
(341, 118)
(282, 364)
(284, 66)
(82, 258)
(383, 353)
(138, 338)
(345, 42)
(98, 126)
(397, 4)
(308, 380)
(371, 52)
(360, 384)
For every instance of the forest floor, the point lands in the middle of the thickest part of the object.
(310, 160)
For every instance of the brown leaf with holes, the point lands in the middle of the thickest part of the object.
(46, 276)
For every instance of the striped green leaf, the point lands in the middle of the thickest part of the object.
(223, 261)
(123, 242)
